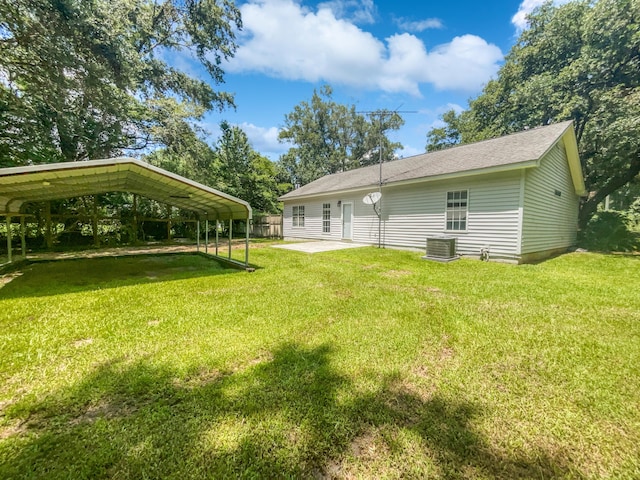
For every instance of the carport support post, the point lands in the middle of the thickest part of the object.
(198, 234)
(94, 222)
(217, 228)
(169, 223)
(47, 224)
(135, 218)
(246, 245)
(230, 235)
(206, 235)
(9, 238)
(23, 240)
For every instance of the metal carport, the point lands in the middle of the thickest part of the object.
(38, 183)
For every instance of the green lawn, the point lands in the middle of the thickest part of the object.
(360, 363)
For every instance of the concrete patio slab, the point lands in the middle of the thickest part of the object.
(322, 246)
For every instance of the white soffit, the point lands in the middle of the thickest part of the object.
(38, 183)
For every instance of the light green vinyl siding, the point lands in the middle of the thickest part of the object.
(549, 221)
(312, 219)
(499, 205)
(411, 213)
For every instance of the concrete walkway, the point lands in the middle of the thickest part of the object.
(321, 246)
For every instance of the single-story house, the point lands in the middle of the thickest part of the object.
(514, 197)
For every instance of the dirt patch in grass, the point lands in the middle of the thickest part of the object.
(446, 353)
(205, 376)
(396, 273)
(421, 378)
(409, 388)
(369, 446)
(3, 406)
(15, 428)
(431, 293)
(432, 357)
(83, 342)
(433, 290)
(12, 428)
(105, 410)
(8, 278)
(369, 267)
(343, 293)
(263, 357)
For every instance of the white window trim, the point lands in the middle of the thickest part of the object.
(323, 219)
(446, 201)
(293, 216)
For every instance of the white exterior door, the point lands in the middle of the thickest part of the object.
(347, 221)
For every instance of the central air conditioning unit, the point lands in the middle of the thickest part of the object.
(441, 249)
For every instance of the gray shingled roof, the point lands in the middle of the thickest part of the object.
(510, 150)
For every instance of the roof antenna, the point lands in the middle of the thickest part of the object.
(381, 113)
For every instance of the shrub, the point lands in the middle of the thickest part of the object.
(634, 215)
(609, 231)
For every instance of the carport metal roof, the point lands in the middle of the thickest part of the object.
(37, 183)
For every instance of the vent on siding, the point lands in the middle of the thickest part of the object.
(442, 249)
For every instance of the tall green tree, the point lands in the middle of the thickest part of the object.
(448, 135)
(190, 156)
(328, 137)
(245, 173)
(230, 165)
(87, 78)
(577, 61)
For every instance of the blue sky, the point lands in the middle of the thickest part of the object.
(425, 57)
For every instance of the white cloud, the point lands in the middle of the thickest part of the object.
(357, 11)
(452, 106)
(418, 25)
(288, 42)
(464, 64)
(439, 110)
(437, 123)
(408, 151)
(284, 40)
(526, 7)
(264, 139)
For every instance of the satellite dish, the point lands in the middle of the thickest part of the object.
(372, 198)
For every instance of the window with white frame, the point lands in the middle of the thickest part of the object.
(326, 218)
(298, 216)
(456, 213)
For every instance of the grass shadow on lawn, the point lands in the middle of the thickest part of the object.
(79, 275)
(285, 414)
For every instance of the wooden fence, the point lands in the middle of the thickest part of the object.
(267, 226)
